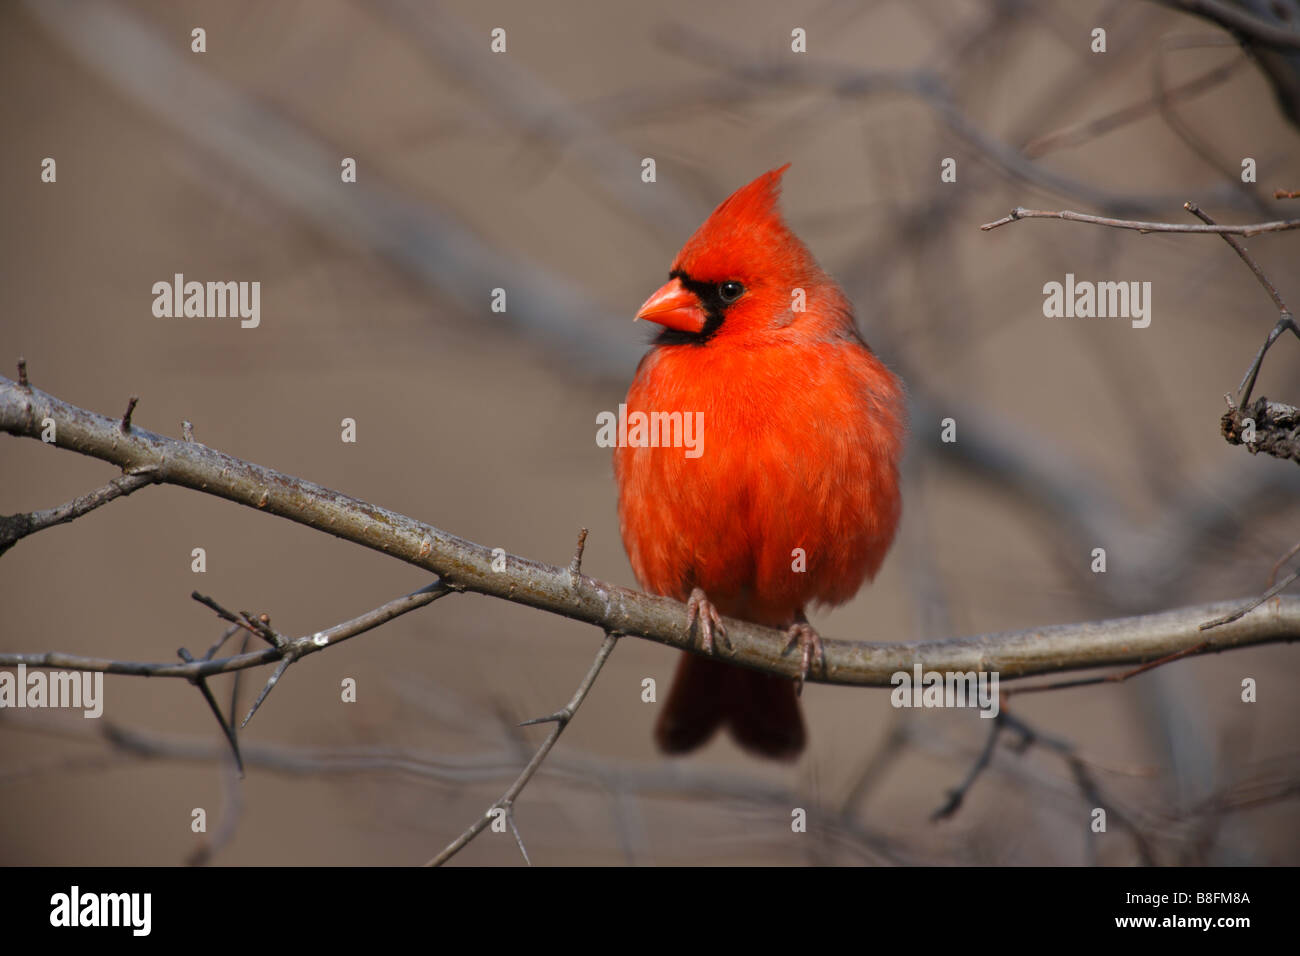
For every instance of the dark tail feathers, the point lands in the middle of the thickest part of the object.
(760, 710)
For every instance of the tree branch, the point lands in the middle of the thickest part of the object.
(466, 566)
(287, 650)
(14, 528)
(1274, 427)
(561, 720)
(1252, 229)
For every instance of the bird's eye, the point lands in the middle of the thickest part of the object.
(730, 291)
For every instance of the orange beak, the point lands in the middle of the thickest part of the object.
(675, 307)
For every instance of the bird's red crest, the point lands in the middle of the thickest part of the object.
(746, 236)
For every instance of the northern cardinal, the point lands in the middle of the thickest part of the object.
(791, 495)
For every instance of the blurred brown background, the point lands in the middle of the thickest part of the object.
(522, 170)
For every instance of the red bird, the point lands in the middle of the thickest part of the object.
(791, 495)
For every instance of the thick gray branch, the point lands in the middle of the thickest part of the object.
(465, 565)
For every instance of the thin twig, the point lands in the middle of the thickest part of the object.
(1247, 608)
(1252, 229)
(14, 528)
(274, 679)
(1285, 321)
(301, 646)
(260, 628)
(227, 727)
(226, 635)
(1277, 565)
(1084, 780)
(958, 793)
(1119, 678)
(561, 720)
(690, 781)
(1240, 248)
(1029, 736)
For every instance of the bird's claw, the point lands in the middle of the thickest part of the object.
(699, 609)
(801, 633)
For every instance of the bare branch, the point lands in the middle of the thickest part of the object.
(1253, 229)
(266, 149)
(1276, 426)
(1084, 779)
(561, 719)
(1240, 248)
(227, 726)
(465, 565)
(957, 795)
(1247, 608)
(196, 669)
(258, 628)
(15, 527)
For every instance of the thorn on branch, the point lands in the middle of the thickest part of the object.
(126, 416)
(289, 658)
(561, 717)
(22, 373)
(575, 566)
(510, 819)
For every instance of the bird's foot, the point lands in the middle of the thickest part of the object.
(699, 609)
(809, 642)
